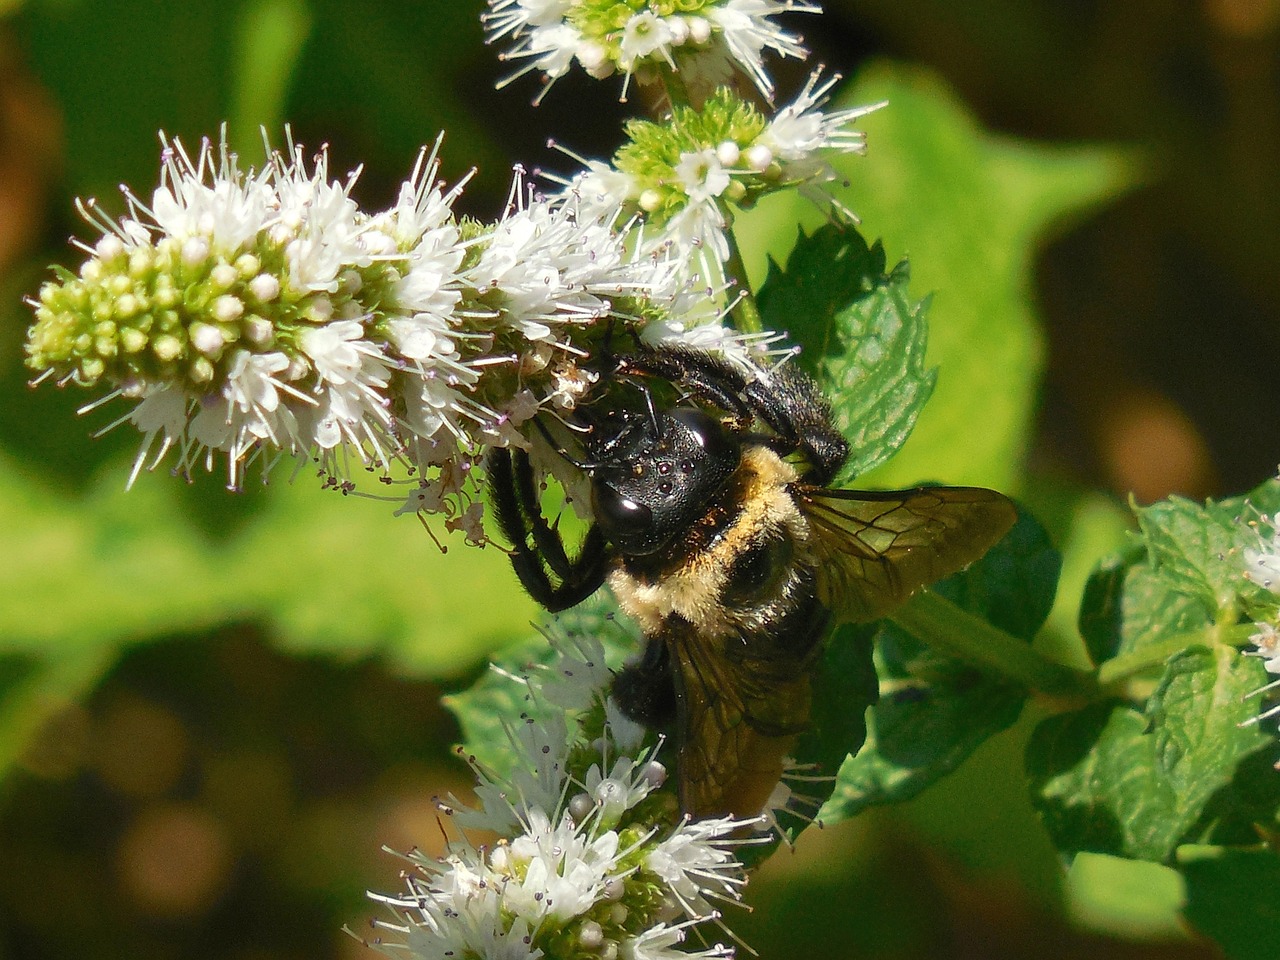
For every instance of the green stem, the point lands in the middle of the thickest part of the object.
(746, 312)
(957, 632)
(1127, 665)
(677, 92)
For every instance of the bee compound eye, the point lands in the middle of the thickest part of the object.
(620, 516)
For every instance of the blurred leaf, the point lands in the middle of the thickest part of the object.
(345, 577)
(391, 76)
(1136, 900)
(933, 710)
(271, 35)
(327, 573)
(862, 338)
(1101, 612)
(122, 70)
(1117, 780)
(971, 209)
(1231, 898)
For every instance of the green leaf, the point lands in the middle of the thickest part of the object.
(1193, 549)
(861, 337)
(844, 686)
(1101, 618)
(1138, 780)
(325, 574)
(934, 711)
(347, 578)
(1128, 898)
(1137, 783)
(971, 209)
(1231, 898)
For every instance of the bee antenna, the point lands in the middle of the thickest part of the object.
(558, 448)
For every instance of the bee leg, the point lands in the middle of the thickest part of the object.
(791, 404)
(537, 550)
(784, 399)
(645, 688)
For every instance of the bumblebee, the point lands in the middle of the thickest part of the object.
(715, 530)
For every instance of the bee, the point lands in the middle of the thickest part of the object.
(714, 527)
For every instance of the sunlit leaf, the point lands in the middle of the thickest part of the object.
(861, 338)
(934, 711)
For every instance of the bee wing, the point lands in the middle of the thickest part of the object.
(738, 717)
(873, 549)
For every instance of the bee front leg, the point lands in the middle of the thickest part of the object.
(538, 551)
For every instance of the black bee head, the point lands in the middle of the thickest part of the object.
(653, 484)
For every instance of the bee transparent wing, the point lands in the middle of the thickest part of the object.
(873, 549)
(738, 720)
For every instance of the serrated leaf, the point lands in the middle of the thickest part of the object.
(970, 209)
(1113, 779)
(933, 710)
(860, 335)
(1191, 547)
(1231, 898)
(1101, 619)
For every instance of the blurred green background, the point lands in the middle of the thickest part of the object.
(215, 709)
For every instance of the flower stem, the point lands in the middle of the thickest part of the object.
(1127, 665)
(745, 312)
(957, 632)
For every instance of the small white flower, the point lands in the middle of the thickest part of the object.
(322, 220)
(624, 787)
(697, 862)
(1267, 644)
(575, 678)
(746, 30)
(645, 34)
(161, 412)
(537, 783)
(564, 869)
(203, 204)
(661, 942)
(801, 129)
(1262, 563)
(749, 352)
(701, 175)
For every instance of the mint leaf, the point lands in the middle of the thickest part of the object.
(1192, 548)
(1112, 778)
(933, 710)
(861, 338)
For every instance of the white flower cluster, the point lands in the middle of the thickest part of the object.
(260, 315)
(703, 40)
(592, 860)
(679, 178)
